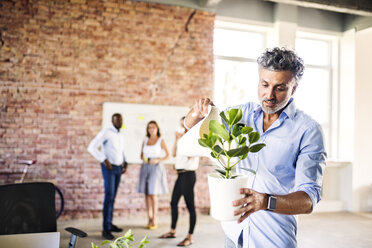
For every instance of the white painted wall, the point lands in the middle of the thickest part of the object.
(285, 26)
(347, 96)
(346, 120)
(362, 171)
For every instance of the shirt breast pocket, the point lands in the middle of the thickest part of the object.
(283, 158)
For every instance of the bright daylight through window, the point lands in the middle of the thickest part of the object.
(235, 68)
(318, 86)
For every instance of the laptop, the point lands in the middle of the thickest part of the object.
(30, 240)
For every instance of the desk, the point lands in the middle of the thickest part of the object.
(30, 240)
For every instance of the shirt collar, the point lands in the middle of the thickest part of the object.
(257, 111)
(289, 111)
(114, 129)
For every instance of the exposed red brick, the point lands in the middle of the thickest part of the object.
(61, 60)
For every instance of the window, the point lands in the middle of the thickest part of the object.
(236, 48)
(316, 93)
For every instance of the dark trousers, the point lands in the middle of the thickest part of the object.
(184, 186)
(111, 179)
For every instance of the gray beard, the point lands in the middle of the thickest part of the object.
(278, 107)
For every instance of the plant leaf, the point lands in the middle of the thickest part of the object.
(213, 140)
(242, 140)
(253, 137)
(232, 177)
(246, 130)
(256, 148)
(128, 233)
(238, 151)
(93, 245)
(250, 170)
(239, 116)
(222, 172)
(231, 115)
(218, 129)
(244, 156)
(218, 150)
(144, 239)
(213, 156)
(235, 115)
(223, 116)
(236, 130)
(203, 142)
(105, 242)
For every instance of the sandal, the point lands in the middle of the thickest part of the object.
(168, 235)
(185, 242)
(152, 227)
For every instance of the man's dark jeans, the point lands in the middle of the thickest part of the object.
(111, 179)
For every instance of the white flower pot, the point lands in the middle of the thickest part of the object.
(222, 193)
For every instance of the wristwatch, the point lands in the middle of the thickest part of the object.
(271, 203)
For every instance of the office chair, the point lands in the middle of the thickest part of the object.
(30, 208)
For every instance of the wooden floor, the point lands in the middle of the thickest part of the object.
(318, 230)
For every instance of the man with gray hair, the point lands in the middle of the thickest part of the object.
(289, 169)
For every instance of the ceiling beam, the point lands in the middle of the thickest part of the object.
(209, 3)
(355, 7)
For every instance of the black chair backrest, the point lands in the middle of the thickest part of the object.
(27, 208)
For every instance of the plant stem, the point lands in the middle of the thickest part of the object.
(218, 158)
(236, 163)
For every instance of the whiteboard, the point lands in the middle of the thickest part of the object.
(135, 119)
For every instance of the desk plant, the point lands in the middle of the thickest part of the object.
(230, 146)
(126, 241)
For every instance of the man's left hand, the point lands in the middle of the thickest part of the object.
(253, 201)
(124, 167)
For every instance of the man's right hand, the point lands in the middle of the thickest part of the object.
(198, 111)
(108, 165)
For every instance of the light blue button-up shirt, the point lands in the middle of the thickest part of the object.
(292, 160)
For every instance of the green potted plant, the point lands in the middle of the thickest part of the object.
(126, 241)
(229, 145)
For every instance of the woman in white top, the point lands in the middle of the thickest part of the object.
(152, 179)
(184, 186)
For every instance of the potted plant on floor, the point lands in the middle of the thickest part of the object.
(125, 241)
(229, 145)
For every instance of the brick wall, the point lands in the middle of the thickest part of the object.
(61, 60)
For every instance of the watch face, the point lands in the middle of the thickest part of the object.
(272, 203)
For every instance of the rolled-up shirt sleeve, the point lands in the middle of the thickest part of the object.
(95, 144)
(311, 162)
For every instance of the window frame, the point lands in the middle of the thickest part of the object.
(238, 25)
(333, 41)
